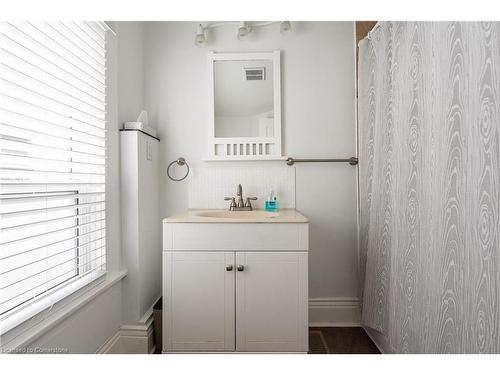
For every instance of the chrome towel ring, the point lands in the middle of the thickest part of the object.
(180, 161)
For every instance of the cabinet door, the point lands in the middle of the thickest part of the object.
(198, 301)
(271, 302)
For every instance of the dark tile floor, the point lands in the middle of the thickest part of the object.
(340, 340)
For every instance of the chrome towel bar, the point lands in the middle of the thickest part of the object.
(292, 161)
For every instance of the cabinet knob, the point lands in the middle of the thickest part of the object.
(229, 267)
(240, 267)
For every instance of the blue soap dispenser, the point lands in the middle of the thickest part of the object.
(271, 202)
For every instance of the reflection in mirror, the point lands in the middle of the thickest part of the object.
(244, 98)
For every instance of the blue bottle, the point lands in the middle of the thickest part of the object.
(271, 204)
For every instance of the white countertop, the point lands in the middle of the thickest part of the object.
(285, 215)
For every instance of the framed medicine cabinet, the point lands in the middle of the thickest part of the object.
(245, 106)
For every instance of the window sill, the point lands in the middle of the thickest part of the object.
(61, 311)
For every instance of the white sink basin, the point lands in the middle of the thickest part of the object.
(218, 215)
(238, 215)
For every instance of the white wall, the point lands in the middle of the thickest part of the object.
(130, 71)
(85, 331)
(318, 97)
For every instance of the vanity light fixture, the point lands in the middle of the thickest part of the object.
(244, 29)
(200, 35)
(285, 26)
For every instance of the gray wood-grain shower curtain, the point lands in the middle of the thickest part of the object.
(429, 180)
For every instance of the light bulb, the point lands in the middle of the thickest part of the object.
(285, 26)
(200, 35)
(242, 30)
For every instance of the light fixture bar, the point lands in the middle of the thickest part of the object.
(244, 28)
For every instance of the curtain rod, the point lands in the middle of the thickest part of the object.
(369, 35)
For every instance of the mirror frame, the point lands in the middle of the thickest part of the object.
(246, 148)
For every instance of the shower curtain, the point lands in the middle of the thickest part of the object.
(429, 184)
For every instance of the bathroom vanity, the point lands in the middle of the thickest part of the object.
(235, 281)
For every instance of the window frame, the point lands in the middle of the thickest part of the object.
(74, 285)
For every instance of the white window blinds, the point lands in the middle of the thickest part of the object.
(52, 156)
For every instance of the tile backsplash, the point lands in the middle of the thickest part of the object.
(209, 185)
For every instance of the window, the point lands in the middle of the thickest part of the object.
(52, 163)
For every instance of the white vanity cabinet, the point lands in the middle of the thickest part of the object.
(198, 301)
(271, 302)
(235, 287)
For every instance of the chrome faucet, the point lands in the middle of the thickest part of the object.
(237, 203)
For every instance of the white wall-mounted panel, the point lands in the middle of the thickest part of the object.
(209, 185)
(141, 223)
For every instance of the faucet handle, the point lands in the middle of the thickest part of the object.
(247, 202)
(232, 204)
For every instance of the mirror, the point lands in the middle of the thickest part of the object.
(244, 99)
(246, 105)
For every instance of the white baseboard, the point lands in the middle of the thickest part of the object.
(323, 312)
(111, 345)
(135, 338)
(334, 312)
